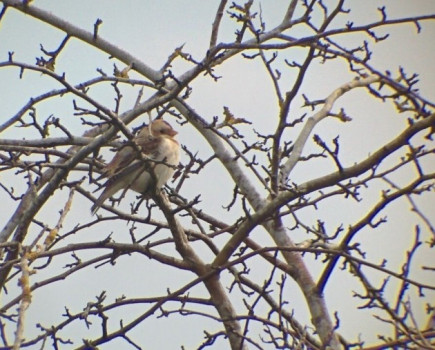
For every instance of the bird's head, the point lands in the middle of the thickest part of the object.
(158, 128)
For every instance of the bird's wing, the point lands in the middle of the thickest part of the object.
(150, 146)
(121, 159)
(128, 171)
(126, 162)
(125, 173)
(127, 154)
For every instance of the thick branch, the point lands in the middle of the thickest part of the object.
(316, 118)
(217, 292)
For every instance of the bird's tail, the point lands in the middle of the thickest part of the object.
(99, 202)
(95, 208)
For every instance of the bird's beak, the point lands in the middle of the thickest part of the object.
(172, 132)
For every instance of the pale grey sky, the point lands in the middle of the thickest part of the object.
(151, 30)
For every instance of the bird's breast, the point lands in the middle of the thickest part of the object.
(169, 154)
(169, 151)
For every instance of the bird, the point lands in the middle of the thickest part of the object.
(161, 155)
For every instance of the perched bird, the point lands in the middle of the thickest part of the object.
(161, 153)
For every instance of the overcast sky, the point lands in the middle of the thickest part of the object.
(151, 30)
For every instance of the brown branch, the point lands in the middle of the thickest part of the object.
(217, 292)
(366, 220)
